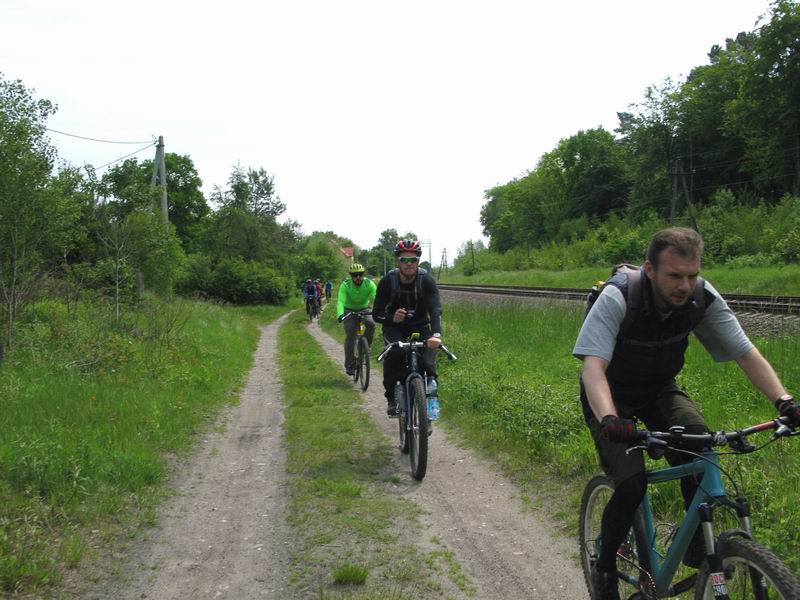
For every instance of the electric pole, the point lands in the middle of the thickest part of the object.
(160, 174)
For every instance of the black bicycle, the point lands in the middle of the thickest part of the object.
(361, 350)
(412, 405)
(311, 308)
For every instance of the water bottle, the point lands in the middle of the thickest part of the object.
(399, 395)
(433, 400)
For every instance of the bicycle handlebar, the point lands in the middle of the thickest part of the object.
(360, 313)
(410, 346)
(734, 439)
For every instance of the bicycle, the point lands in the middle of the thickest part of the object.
(311, 308)
(412, 409)
(736, 566)
(361, 370)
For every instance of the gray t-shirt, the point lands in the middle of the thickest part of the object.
(719, 331)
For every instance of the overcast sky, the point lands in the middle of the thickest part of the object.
(370, 115)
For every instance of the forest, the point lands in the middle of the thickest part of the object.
(719, 152)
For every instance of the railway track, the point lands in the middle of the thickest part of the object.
(738, 302)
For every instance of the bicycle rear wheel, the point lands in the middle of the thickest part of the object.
(631, 569)
(418, 436)
(751, 571)
(363, 362)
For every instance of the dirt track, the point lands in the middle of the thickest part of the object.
(508, 551)
(224, 534)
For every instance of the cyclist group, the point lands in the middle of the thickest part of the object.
(313, 292)
(632, 344)
(405, 302)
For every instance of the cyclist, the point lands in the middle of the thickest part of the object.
(328, 289)
(309, 294)
(355, 294)
(319, 293)
(629, 369)
(407, 302)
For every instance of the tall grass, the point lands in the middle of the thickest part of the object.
(91, 407)
(774, 280)
(514, 390)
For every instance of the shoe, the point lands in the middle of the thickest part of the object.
(605, 585)
(349, 371)
(695, 553)
(391, 411)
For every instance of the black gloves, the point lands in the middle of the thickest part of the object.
(618, 430)
(787, 407)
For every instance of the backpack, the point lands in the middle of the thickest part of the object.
(634, 295)
(394, 281)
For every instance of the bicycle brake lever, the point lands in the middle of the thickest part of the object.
(635, 448)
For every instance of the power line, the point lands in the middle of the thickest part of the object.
(81, 137)
(150, 145)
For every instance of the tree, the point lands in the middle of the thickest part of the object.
(32, 221)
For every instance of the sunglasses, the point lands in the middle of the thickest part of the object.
(408, 259)
(354, 275)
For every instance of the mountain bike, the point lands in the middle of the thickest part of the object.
(735, 567)
(412, 410)
(361, 370)
(311, 308)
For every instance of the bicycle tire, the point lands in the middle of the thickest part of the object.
(631, 564)
(310, 312)
(363, 362)
(418, 442)
(743, 561)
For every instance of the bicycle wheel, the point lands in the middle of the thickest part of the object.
(751, 571)
(418, 442)
(363, 362)
(309, 311)
(631, 566)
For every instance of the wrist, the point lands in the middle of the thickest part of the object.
(782, 399)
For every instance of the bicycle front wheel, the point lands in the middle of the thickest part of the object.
(363, 362)
(751, 571)
(418, 436)
(632, 573)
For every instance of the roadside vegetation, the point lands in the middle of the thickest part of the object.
(356, 536)
(93, 409)
(514, 393)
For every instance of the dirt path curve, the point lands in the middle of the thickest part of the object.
(224, 533)
(507, 551)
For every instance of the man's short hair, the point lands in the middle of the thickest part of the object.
(684, 241)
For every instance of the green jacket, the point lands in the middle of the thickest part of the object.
(355, 297)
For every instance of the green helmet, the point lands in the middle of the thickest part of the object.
(356, 268)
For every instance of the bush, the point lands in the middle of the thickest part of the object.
(234, 280)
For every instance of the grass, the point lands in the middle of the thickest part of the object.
(777, 280)
(352, 529)
(514, 393)
(91, 411)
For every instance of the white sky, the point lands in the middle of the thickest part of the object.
(370, 115)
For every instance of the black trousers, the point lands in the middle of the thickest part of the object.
(395, 365)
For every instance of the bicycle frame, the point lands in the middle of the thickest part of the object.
(413, 360)
(711, 491)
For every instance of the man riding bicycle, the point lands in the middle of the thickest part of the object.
(632, 344)
(355, 294)
(328, 289)
(407, 302)
(310, 295)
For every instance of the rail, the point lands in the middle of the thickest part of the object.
(737, 302)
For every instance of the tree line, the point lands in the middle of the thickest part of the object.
(731, 128)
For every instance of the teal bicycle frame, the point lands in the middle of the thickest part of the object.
(711, 491)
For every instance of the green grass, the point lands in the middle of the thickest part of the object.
(784, 280)
(92, 408)
(351, 528)
(514, 393)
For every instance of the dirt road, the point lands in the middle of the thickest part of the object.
(508, 551)
(224, 534)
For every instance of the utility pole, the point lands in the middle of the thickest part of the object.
(160, 174)
(443, 264)
(472, 251)
(674, 201)
(689, 204)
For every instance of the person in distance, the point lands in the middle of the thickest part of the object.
(355, 294)
(407, 302)
(632, 344)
